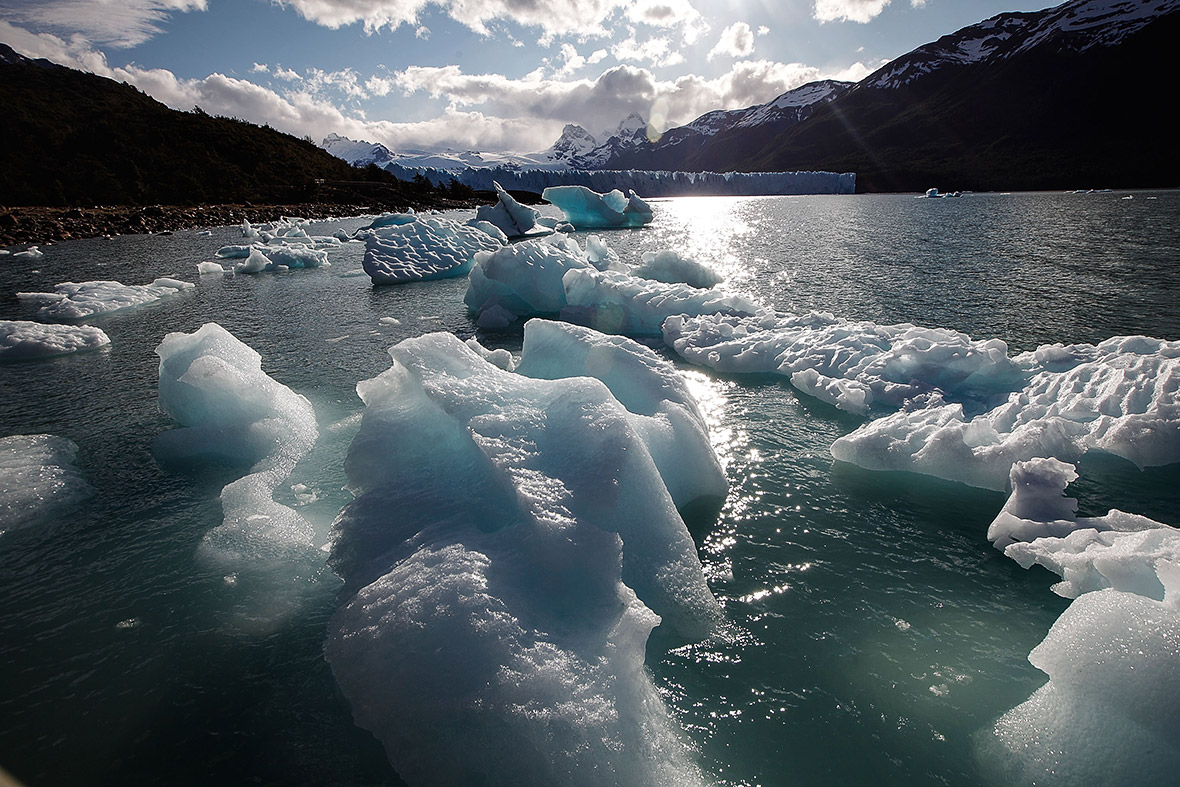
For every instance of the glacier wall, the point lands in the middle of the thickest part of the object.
(647, 183)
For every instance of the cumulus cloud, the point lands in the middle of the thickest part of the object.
(737, 40)
(658, 51)
(848, 10)
(125, 23)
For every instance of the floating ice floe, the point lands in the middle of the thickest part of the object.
(586, 209)
(207, 268)
(510, 217)
(966, 410)
(671, 267)
(1108, 714)
(31, 253)
(429, 247)
(523, 604)
(22, 340)
(555, 277)
(1119, 397)
(71, 301)
(232, 412)
(38, 479)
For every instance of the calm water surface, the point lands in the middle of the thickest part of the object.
(871, 631)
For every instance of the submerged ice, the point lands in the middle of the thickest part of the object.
(509, 622)
(71, 301)
(38, 479)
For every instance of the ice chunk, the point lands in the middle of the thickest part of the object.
(490, 229)
(504, 622)
(233, 412)
(38, 479)
(71, 301)
(1039, 525)
(22, 340)
(671, 267)
(391, 220)
(510, 217)
(1108, 714)
(521, 280)
(31, 253)
(601, 256)
(207, 268)
(615, 302)
(853, 365)
(586, 209)
(657, 398)
(429, 247)
(1121, 397)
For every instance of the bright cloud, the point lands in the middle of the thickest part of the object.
(119, 24)
(848, 10)
(737, 40)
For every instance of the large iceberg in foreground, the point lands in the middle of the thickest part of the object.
(232, 412)
(22, 340)
(38, 479)
(1108, 714)
(586, 209)
(508, 621)
(71, 301)
(429, 247)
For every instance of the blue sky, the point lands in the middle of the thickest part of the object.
(491, 75)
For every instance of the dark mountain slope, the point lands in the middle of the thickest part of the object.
(71, 138)
(1049, 117)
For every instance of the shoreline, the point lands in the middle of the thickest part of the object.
(21, 226)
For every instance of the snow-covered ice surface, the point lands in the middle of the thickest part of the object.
(523, 605)
(38, 479)
(70, 301)
(1108, 713)
(429, 247)
(232, 412)
(22, 340)
(587, 209)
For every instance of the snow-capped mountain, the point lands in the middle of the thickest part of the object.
(359, 154)
(1071, 27)
(574, 143)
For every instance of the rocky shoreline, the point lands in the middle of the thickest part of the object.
(23, 226)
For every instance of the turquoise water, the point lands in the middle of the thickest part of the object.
(871, 631)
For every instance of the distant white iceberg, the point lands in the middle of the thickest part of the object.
(70, 301)
(22, 340)
(586, 209)
(38, 479)
(524, 603)
(429, 247)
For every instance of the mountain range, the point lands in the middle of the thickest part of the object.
(1067, 97)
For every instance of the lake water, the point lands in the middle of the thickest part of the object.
(871, 631)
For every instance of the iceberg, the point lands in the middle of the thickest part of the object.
(1120, 397)
(428, 247)
(671, 267)
(38, 479)
(521, 280)
(231, 412)
(615, 302)
(1108, 713)
(510, 217)
(522, 606)
(586, 209)
(22, 340)
(70, 301)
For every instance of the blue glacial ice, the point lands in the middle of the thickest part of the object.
(70, 301)
(671, 267)
(22, 340)
(509, 622)
(38, 479)
(556, 277)
(1108, 714)
(586, 209)
(231, 412)
(429, 247)
(510, 217)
